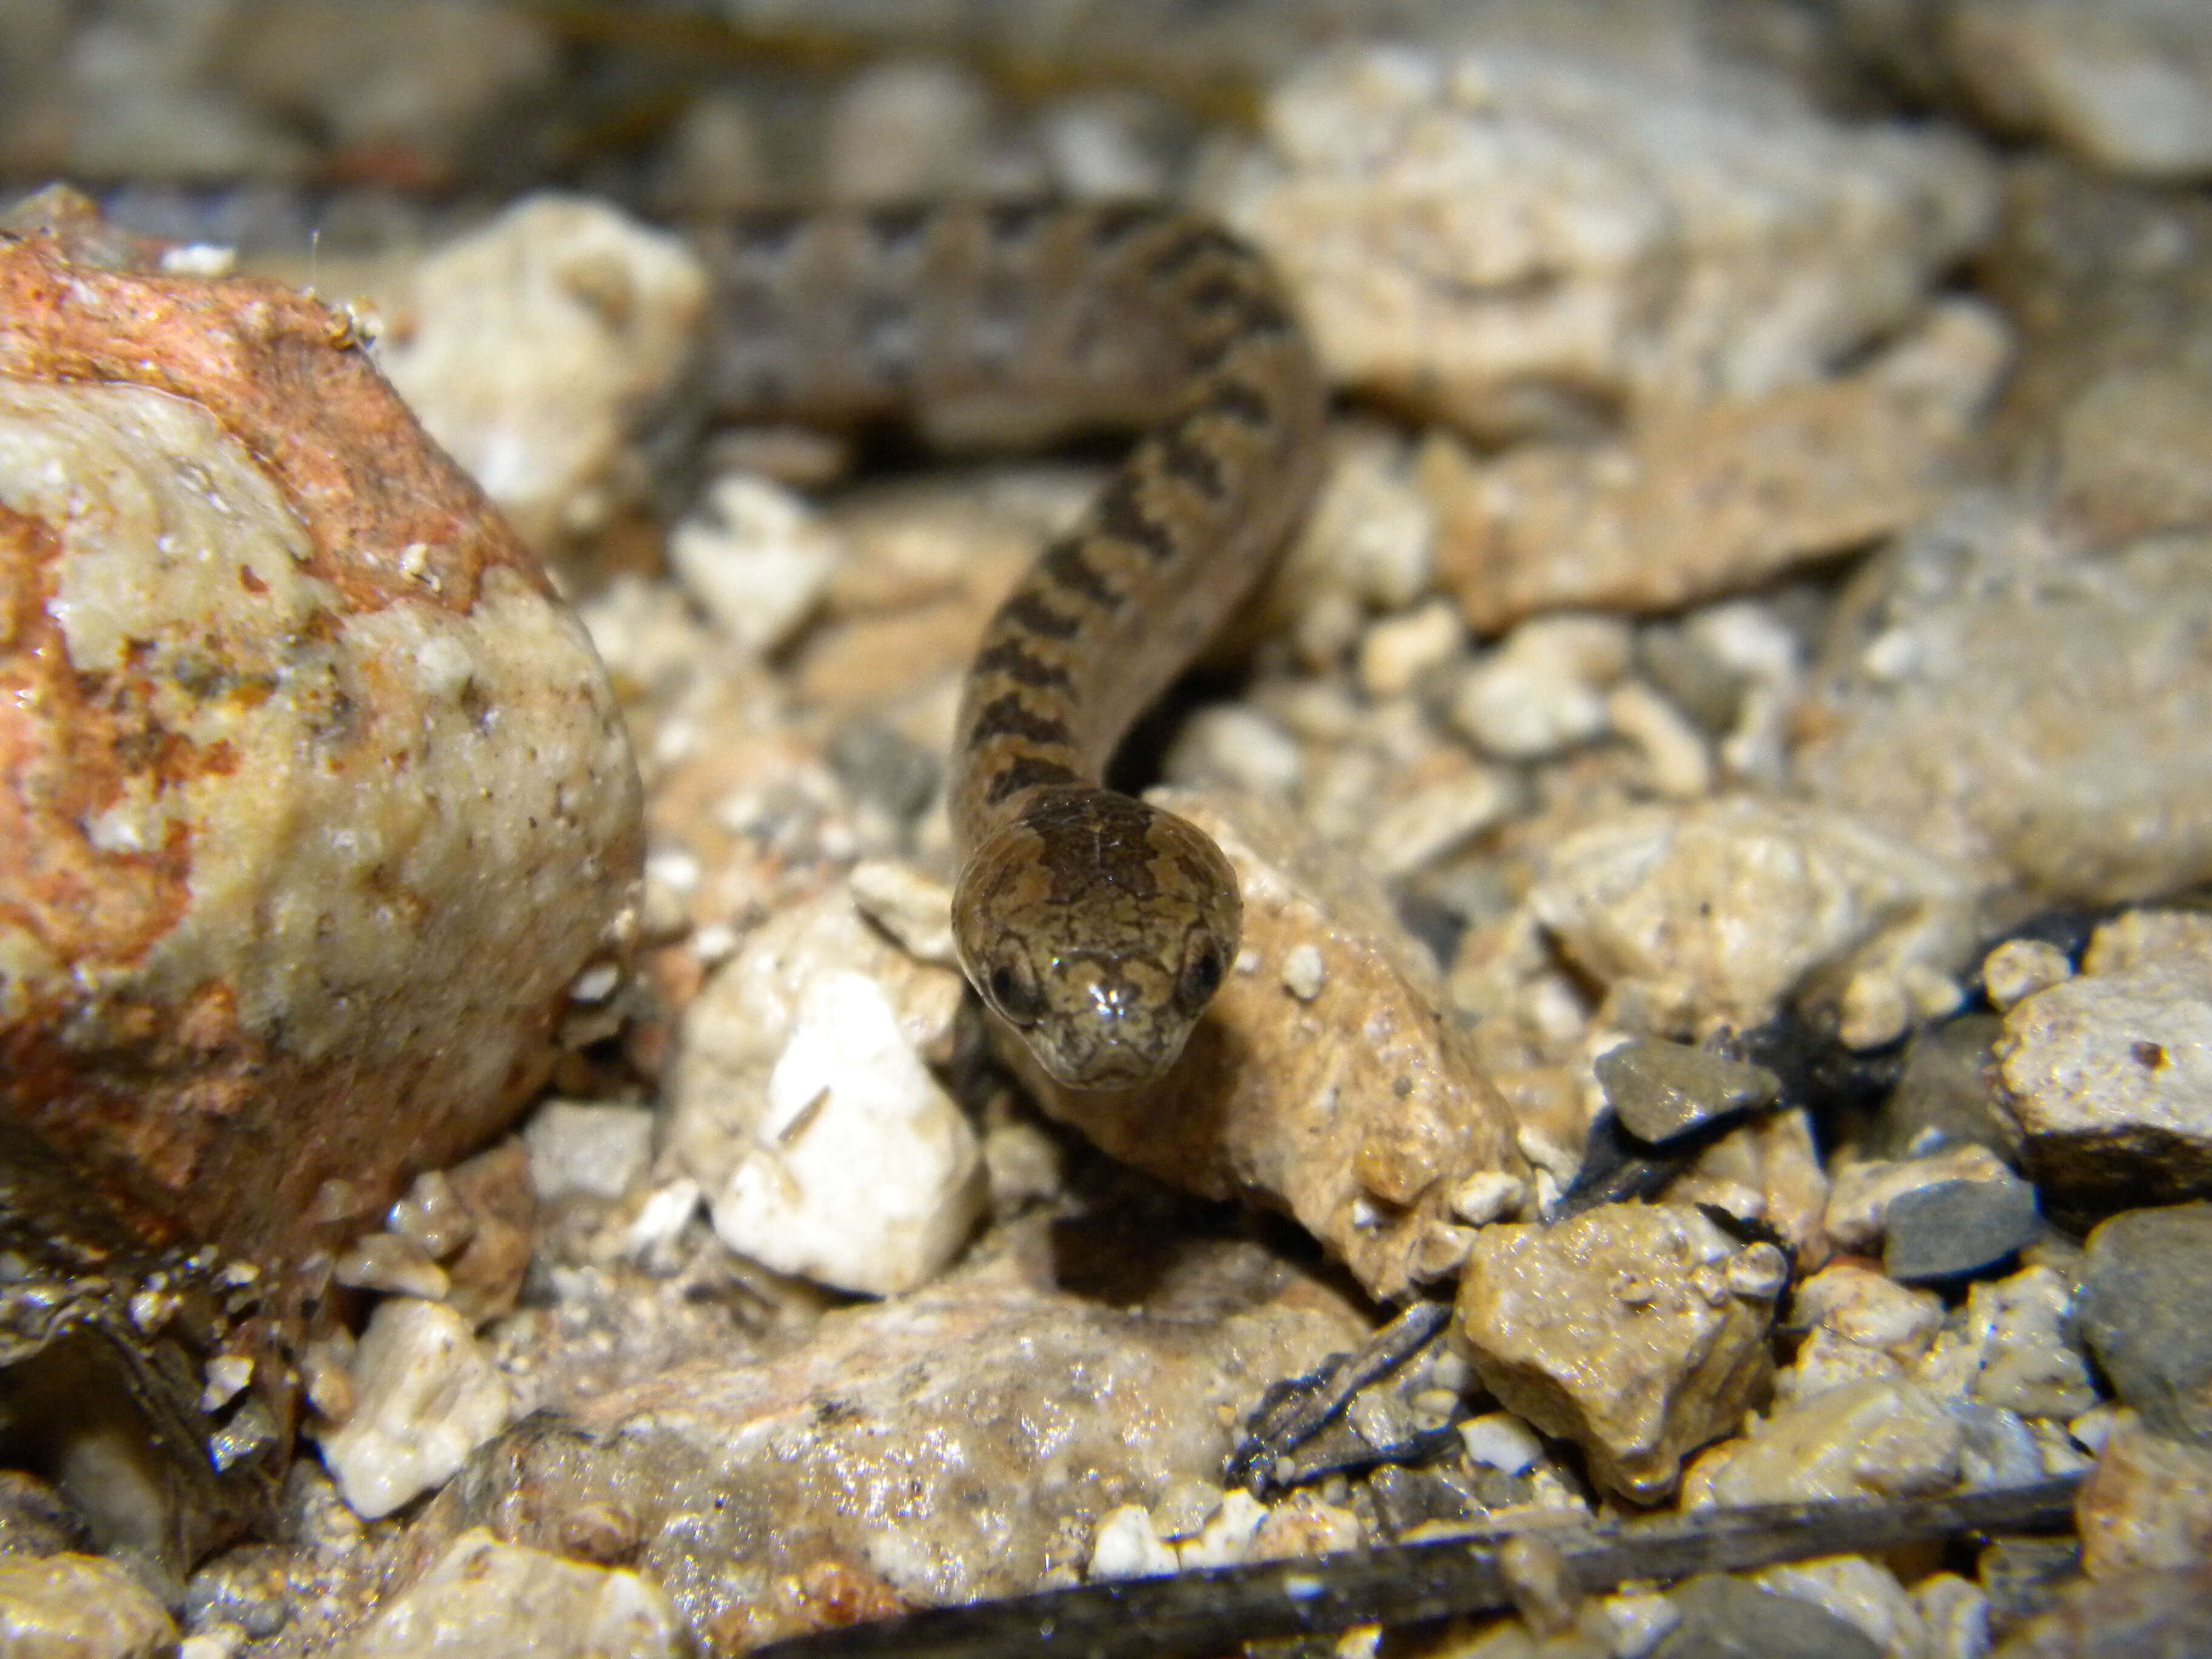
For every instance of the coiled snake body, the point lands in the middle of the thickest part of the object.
(1096, 925)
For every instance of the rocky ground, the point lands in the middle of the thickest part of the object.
(1720, 785)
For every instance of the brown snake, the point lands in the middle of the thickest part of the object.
(1096, 925)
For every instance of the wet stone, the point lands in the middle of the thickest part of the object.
(2146, 1310)
(1725, 1617)
(1662, 1090)
(1956, 1227)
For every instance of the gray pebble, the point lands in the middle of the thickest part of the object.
(2146, 1311)
(1725, 1617)
(1661, 1089)
(1956, 1227)
(2151, 1614)
(1945, 1095)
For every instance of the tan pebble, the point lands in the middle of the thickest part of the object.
(2147, 1504)
(1675, 754)
(914, 907)
(1305, 972)
(1398, 651)
(2019, 968)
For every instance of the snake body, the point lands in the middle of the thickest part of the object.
(1096, 925)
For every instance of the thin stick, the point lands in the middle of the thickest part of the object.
(1217, 1610)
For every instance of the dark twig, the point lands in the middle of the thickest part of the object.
(1217, 1610)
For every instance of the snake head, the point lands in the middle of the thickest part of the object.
(1098, 928)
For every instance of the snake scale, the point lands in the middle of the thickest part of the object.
(1096, 925)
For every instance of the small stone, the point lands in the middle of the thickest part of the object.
(432, 1214)
(1955, 1614)
(1126, 1546)
(1415, 831)
(650, 1240)
(2146, 1311)
(1543, 690)
(486, 1600)
(1184, 1508)
(757, 560)
(1861, 1440)
(391, 1262)
(1227, 1537)
(578, 1150)
(2152, 1614)
(1621, 1330)
(2014, 1348)
(1240, 747)
(1304, 1526)
(1487, 1196)
(2019, 968)
(425, 1397)
(1728, 1618)
(913, 907)
(863, 1173)
(1861, 1193)
(1305, 972)
(913, 129)
(1954, 1227)
(1946, 1095)
(1499, 1440)
(2147, 1503)
(1398, 651)
(1676, 757)
(79, 1607)
(2109, 1078)
(1863, 1327)
(1662, 1090)
(1863, 1595)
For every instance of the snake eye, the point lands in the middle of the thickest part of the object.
(1201, 978)
(1013, 991)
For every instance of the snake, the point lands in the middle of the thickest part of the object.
(1096, 925)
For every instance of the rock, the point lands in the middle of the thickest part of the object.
(914, 129)
(1125, 1547)
(1639, 1332)
(1727, 1618)
(426, 1396)
(1860, 1197)
(2147, 1503)
(769, 1095)
(493, 1191)
(753, 1490)
(1862, 1327)
(756, 558)
(2019, 968)
(1945, 1095)
(2109, 1078)
(1767, 1171)
(79, 1607)
(1368, 544)
(1676, 759)
(486, 1600)
(1397, 651)
(863, 1173)
(580, 1150)
(1955, 1615)
(1360, 1112)
(2146, 1312)
(1463, 233)
(1708, 915)
(1543, 690)
(1951, 1228)
(1863, 1595)
(325, 924)
(1662, 1090)
(2030, 717)
(1870, 1439)
(2126, 84)
(2013, 1347)
(2158, 1614)
(533, 348)
(1711, 501)
(2110, 412)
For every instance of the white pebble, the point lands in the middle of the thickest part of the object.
(1501, 1441)
(1305, 972)
(592, 1152)
(1398, 650)
(1679, 761)
(756, 559)
(1543, 690)
(1487, 1196)
(660, 1222)
(1125, 1547)
(912, 906)
(2019, 968)
(426, 1396)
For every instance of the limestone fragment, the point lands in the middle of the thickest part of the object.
(756, 558)
(1358, 1111)
(486, 1600)
(67, 1606)
(2109, 1078)
(1637, 1331)
(2013, 1347)
(1690, 505)
(1484, 231)
(2028, 716)
(579, 1149)
(1860, 1440)
(1863, 1327)
(1708, 915)
(533, 349)
(2126, 84)
(1543, 690)
(425, 1397)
